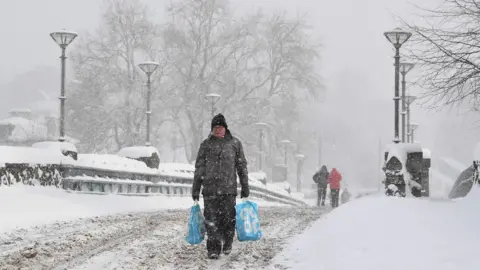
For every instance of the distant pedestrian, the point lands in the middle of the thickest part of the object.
(219, 160)
(321, 179)
(334, 180)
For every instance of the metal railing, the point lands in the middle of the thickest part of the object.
(93, 180)
(98, 185)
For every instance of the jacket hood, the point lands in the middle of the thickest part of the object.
(335, 171)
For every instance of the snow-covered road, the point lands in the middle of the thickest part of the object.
(151, 240)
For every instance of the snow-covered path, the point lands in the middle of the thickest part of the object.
(151, 240)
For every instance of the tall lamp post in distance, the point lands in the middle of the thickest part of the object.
(149, 68)
(212, 98)
(409, 99)
(397, 37)
(63, 38)
(261, 126)
(413, 127)
(285, 144)
(300, 158)
(404, 69)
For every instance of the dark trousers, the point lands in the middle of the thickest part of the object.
(334, 197)
(220, 218)
(322, 194)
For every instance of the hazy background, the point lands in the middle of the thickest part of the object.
(356, 116)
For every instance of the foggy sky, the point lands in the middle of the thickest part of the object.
(356, 67)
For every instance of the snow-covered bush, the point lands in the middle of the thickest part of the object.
(44, 175)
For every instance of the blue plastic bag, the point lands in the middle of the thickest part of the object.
(196, 226)
(248, 222)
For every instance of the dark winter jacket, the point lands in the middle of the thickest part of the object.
(219, 160)
(321, 177)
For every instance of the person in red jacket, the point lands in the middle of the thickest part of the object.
(334, 180)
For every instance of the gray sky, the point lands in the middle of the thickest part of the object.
(351, 30)
(356, 65)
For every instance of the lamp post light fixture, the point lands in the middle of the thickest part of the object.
(63, 38)
(413, 128)
(212, 98)
(261, 126)
(408, 101)
(149, 68)
(397, 37)
(300, 158)
(404, 69)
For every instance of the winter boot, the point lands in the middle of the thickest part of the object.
(213, 256)
(227, 249)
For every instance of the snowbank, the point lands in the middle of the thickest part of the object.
(138, 151)
(25, 206)
(56, 145)
(30, 155)
(114, 163)
(378, 233)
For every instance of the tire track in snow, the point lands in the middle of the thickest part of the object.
(277, 224)
(153, 249)
(152, 240)
(47, 246)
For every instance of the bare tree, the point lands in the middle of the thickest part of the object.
(447, 48)
(254, 62)
(110, 104)
(288, 59)
(201, 41)
(264, 67)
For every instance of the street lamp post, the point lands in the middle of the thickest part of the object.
(404, 69)
(285, 144)
(408, 101)
(397, 37)
(212, 98)
(261, 126)
(149, 68)
(413, 127)
(300, 158)
(63, 39)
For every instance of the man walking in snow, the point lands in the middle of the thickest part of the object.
(321, 178)
(334, 180)
(219, 160)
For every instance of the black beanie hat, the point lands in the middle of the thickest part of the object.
(219, 120)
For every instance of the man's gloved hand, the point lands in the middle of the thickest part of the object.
(196, 197)
(245, 193)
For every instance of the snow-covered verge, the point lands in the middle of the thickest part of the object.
(138, 151)
(440, 184)
(30, 155)
(25, 206)
(379, 232)
(113, 163)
